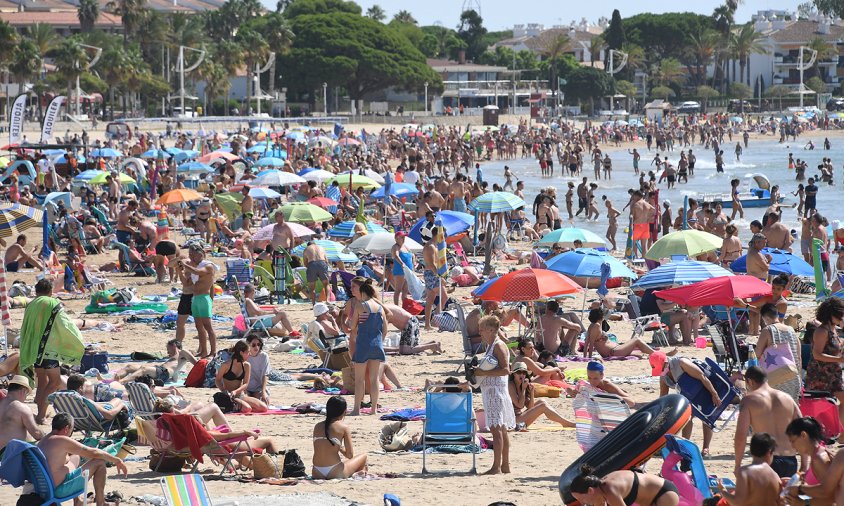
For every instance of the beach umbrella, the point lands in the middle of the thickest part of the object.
(258, 148)
(302, 212)
(396, 189)
(55, 197)
(122, 178)
(270, 161)
(371, 174)
(529, 285)
(156, 153)
(326, 141)
(720, 291)
(347, 229)
(195, 167)
(322, 202)
(229, 203)
(277, 178)
(586, 263)
(566, 236)
(87, 175)
(4, 161)
(178, 196)
(266, 233)
(690, 243)
(355, 180)
(263, 193)
(334, 251)
(218, 154)
(681, 273)
(57, 160)
(496, 202)
(782, 262)
(15, 218)
(454, 222)
(105, 153)
(348, 141)
(318, 175)
(380, 243)
(477, 292)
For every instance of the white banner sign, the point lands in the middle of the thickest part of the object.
(50, 118)
(16, 119)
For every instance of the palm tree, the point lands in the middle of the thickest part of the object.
(112, 66)
(131, 13)
(279, 38)
(44, 37)
(826, 51)
(67, 57)
(376, 12)
(743, 43)
(596, 45)
(724, 16)
(403, 16)
(702, 49)
(553, 50)
(216, 80)
(26, 62)
(669, 72)
(230, 55)
(255, 50)
(88, 12)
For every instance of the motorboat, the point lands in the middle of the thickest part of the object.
(758, 194)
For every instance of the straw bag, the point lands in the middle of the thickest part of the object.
(395, 437)
(264, 466)
(348, 378)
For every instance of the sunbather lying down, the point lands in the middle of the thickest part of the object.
(387, 376)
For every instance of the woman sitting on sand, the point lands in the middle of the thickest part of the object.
(527, 409)
(544, 373)
(597, 340)
(623, 487)
(233, 378)
(332, 438)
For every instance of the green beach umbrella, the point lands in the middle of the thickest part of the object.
(230, 203)
(684, 242)
(303, 212)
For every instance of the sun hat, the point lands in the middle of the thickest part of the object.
(22, 381)
(518, 366)
(320, 308)
(657, 360)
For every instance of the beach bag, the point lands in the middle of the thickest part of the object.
(196, 376)
(446, 321)
(123, 296)
(94, 360)
(239, 326)
(414, 287)
(264, 466)
(413, 307)
(293, 466)
(213, 365)
(103, 297)
(395, 437)
(169, 463)
(348, 375)
(540, 390)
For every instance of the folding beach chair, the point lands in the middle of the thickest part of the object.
(226, 449)
(735, 316)
(257, 324)
(449, 420)
(188, 490)
(691, 460)
(238, 270)
(469, 349)
(647, 323)
(37, 473)
(725, 346)
(145, 268)
(142, 399)
(86, 418)
(701, 400)
(147, 432)
(596, 413)
(334, 351)
(823, 406)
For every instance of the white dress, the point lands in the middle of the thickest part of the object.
(498, 407)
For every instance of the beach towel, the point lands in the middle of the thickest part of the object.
(405, 415)
(449, 449)
(62, 343)
(186, 432)
(268, 412)
(414, 286)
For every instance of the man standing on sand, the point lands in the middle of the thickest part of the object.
(316, 267)
(433, 284)
(642, 214)
(202, 273)
(16, 418)
(778, 235)
(282, 233)
(63, 456)
(582, 196)
(246, 208)
(767, 410)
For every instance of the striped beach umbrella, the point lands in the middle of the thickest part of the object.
(680, 274)
(88, 175)
(440, 260)
(15, 218)
(5, 315)
(529, 285)
(347, 229)
(381, 243)
(334, 251)
(565, 237)
(496, 202)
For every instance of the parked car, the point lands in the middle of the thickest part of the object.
(835, 104)
(737, 105)
(689, 108)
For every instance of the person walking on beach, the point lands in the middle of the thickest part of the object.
(641, 212)
(582, 196)
(612, 218)
(369, 326)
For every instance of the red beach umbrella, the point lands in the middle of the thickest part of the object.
(322, 202)
(716, 291)
(529, 285)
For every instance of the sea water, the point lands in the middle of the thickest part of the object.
(762, 156)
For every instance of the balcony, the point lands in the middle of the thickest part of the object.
(492, 88)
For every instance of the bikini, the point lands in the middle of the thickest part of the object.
(231, 376)
(326, 470)
(667, 487)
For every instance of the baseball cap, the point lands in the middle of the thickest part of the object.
(21, 380)
(518, 366)
(401, 233)
(657, 360)
(320, 308)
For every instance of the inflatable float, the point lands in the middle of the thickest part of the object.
(633, 441)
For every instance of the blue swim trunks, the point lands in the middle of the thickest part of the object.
(432, 281)
(73, 482)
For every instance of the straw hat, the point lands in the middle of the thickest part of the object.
(22, 381)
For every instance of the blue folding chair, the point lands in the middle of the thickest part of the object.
(701, 400)
(449, 420)
(692, 460)
(734, 315)
(36, 472)
(86, 418)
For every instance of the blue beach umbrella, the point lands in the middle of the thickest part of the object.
(496, 202)
(477, 292)
(396, 189)
(782, 262)
(263, 193)
(195, 167)
(45, 237)
(334, 251)
(156, 153)
(87, 175)
(63, 159)
(567, 235)
(347, 229)
(258, 148)
(105, 153)
(682, 273)
(454, 222)
(270, 161)
(586, 263)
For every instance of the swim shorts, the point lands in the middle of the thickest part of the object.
(201, 306)
(410, 333)
(74, 481)
(432, 281)
(641, 231)
(12, 267)
(161, 373)
(784, 465)
(459, 205)
(185, 304)
(317, 269)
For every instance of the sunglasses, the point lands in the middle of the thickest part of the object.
(254, 345)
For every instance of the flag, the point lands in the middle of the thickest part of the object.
(16, 119)
(338, 129)
(440, 260)
(50, 118)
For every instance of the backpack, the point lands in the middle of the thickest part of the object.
(196, 376)
(293, 465)
(212, 366)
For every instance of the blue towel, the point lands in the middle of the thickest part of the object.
(405, 415)
(12, 469)
(319, 370)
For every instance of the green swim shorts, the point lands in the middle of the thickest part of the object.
(201, 306)
(74, 481)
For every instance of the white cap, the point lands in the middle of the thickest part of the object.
(456, 271)
(320, 308)
(666, 203)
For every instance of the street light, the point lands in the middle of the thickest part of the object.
(426, 97)
(325, 97)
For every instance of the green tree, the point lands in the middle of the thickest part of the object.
(276, 32)
(68, 56)
(376, 12)
(740, 90)
(26, 62)
(355, 52)
(627, 89)
(230, 56)
(8, 40)
(588, 83)
(669, 72)
(42, 35)
(216, 80)
(663, 92)
(706, 93)
(304, 7)
(744, 43)
(826, 52)
(816, 84)
(255, 51)
(806, 9)
(553, 51)
(596, 45)
(778, 91)
(665, 35)
(471, 30)
(404, 17)
(830, 7)
(88, 11)
(615, 32)
(131, 12)
(114, 66)
(701, 51)
(447, 42)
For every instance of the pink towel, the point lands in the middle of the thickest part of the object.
(268, 412)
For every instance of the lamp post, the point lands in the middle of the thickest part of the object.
(426, 97)
(325, 98)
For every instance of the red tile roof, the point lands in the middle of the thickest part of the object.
(57, 19)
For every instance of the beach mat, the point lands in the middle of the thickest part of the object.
(266, 413)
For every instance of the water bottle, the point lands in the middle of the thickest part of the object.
(751, 357)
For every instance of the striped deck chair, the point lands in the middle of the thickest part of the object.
(142, 399)
(596, 413)
(85, 416)
(238, 269)
(188, 490)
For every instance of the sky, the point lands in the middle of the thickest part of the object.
(503, 14)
